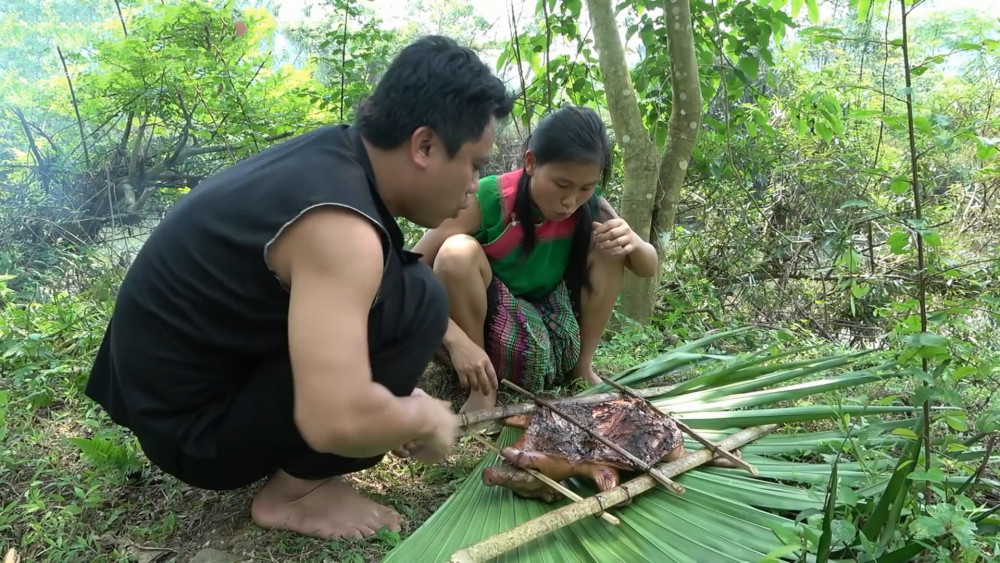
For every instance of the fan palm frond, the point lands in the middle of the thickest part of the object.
(725, 514)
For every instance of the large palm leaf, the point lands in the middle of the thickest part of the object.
(725, 515)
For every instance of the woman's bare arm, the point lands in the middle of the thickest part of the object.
(643, 261)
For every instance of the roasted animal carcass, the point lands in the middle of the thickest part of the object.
(559, 449)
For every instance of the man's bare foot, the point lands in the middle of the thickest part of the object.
(323, 509)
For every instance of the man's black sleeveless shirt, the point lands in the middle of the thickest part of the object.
(200, 309)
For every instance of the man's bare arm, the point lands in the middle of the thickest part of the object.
(331, 259)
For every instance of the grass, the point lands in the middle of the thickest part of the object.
(75, 487)
(105, 502)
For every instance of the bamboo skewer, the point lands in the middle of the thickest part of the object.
(511, 539)
(475, 417)
(685, 428)
(548, 481)
(653, 471)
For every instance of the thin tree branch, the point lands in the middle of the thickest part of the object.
(76, 108)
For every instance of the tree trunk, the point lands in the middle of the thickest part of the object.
(685, 114)
(638, 149)
(652, 185)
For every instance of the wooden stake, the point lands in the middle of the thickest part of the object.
(659, 476)
(548, 481)
(475, 417)
(685, 428)
(497, 545)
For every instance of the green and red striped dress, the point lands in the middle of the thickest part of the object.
(532, 334)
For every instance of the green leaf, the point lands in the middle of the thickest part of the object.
(851, 260)
(931, 237)
(826, 539)
(830, 109)
(796, 5)
(934, 475)
(750, 66)
(881, 525)
(863, 7)
(905, 554)
(988, 421)
(927, 344)
(898, 241)
(900, 185)
(573, 7)
(944, 141)
(963, 46)
(926, 393)
(957, 422)
(3, 414)
(824, 130)
(986, 149)
(854, 203)
(661, 138)
(859, 290)
(962, 372)
(813, 8)
(923, 125)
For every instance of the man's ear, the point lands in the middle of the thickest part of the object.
(421, 146)
(529, 162)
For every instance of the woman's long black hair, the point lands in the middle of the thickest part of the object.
(569, 134)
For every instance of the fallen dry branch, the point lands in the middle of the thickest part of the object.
(475, 417)
(652, 470)
(548, 481)
(517, 536)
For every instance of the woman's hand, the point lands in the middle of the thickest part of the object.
(474, 367)
(615, 237)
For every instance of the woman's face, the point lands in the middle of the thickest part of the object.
(558, 189)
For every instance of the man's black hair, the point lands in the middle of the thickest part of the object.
(437, 83)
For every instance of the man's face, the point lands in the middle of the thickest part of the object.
(450, 182)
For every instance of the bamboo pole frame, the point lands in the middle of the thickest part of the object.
(475, 417)
(648, 468)
(547, 480)
(522, 534)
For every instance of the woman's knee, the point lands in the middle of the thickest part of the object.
(458, 258)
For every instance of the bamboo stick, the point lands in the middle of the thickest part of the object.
(535, 528)
(656, 473)
(475, 417)
(685, 428)
(548, 481)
